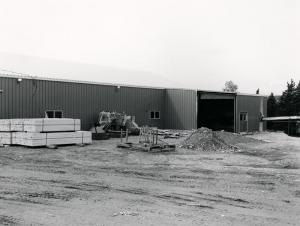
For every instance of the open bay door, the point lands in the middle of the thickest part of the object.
(216, 111)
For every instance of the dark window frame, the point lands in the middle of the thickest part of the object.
(244, 116)
(154, 114)
(55, 113)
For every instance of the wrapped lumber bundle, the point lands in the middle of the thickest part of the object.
(33, 139)
(5, 138)
(40, 125)
(51, 125)
(8, 125)
(37, 132)
(5, 125)
(29, 139)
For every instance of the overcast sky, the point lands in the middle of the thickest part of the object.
(184, 43)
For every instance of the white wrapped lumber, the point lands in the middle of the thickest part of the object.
(11, 125)
(5, 138)
(29, 139)
(5, 125)
(17, 124)
(40, 125)
(33, 139)
(51, 125)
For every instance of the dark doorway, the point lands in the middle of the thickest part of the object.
(216, 114)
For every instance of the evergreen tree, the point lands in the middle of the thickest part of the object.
(272, 111)
(287, 100)
(272, 106)
(297, 99)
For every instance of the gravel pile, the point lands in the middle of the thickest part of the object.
(205, 139)
(235, 138)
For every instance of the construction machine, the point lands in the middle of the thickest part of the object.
(111, 124)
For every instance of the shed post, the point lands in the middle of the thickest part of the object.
(261, 124)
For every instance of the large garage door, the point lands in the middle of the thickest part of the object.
(216, 114)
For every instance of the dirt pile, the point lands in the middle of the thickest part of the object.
(205, 139)
(234, 138)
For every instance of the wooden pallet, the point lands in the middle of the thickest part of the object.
(147, 148)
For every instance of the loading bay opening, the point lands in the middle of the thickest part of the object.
(216, 111)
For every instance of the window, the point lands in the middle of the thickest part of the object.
(58, 114)
(49, 114)
(157, 114)
(243, 116)
(154, 114)
(53, 114)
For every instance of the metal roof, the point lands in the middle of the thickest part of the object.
(24, 76)
(72, 81)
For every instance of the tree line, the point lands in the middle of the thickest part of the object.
(287, 104)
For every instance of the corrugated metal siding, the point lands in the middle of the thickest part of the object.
(180, 109)
(250, 104)
(30, 98)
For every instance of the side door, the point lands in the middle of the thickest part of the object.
(243, 122)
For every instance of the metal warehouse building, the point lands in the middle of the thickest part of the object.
(31, 97)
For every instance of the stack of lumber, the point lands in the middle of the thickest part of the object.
(43, 132)
(40, 125)
(5, 138)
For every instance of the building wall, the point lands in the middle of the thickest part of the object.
(30, 98)
(254, 105)
(180, 109)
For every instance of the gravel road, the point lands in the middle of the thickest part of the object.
(100, 184)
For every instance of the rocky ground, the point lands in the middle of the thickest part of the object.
(257, 184)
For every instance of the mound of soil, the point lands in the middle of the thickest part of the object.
(234, 138)
(205, 139)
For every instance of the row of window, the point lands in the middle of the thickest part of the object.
(59, 114)
(54, 114)
(153, 114)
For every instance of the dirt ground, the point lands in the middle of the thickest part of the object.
(100, 184)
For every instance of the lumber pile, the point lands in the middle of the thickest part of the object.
(40, 125)
(42, 132)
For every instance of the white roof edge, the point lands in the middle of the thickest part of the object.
(87, 82)
(233, 93)
(117, 84)
(250, 94)
(75, 81)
